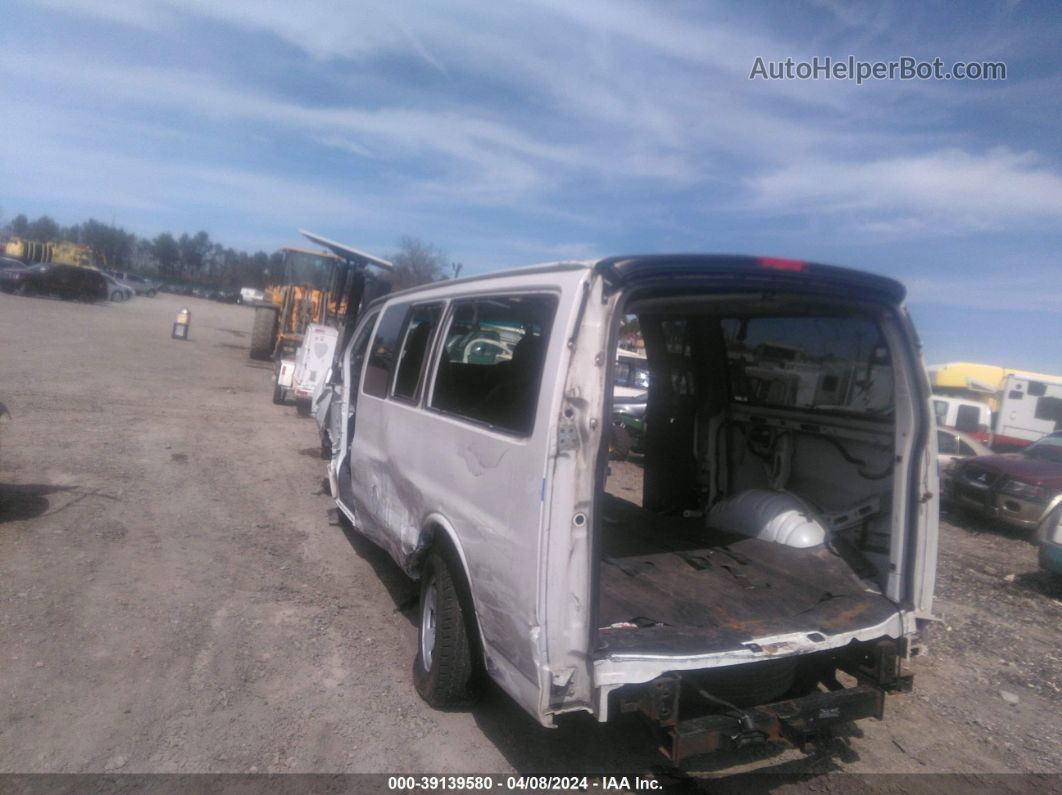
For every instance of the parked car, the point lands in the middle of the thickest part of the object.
(787, 527)
(630, 380)
(1051, 547)
(250, 295)
(140, 285)
(64, 281)
(1022, 489)
(628, 424)
(954, 446)
(117, 290)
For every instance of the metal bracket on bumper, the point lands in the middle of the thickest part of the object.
(790, 722)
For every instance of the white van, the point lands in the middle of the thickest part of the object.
(783, 534)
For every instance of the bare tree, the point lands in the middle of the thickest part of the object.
(417, 262)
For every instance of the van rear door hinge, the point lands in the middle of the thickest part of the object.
(567, 438)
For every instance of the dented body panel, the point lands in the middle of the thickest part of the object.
(524, 510)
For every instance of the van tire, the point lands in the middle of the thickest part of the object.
(303, 407)
(278, 393)
(263, 332)
(448, 679)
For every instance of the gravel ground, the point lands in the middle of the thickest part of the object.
(174, 599)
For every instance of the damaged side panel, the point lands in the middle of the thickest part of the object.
(417, 473)
(574, 462)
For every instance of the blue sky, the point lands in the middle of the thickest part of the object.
(519, 132)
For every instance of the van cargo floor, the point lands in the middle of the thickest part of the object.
(669, 585)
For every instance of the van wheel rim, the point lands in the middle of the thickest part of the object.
(428, 615)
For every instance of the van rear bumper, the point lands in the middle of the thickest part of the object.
(793, 722)
(720, 726)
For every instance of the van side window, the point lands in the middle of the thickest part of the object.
(357, 353)
(422, 323)
(492, 357)
(384, 347)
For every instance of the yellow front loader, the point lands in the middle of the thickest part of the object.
(307, 317)
(306, 294)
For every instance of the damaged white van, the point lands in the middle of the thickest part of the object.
(785, 528)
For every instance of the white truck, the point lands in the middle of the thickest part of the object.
(1029, 409)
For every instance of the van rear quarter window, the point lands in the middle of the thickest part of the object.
(422, 323)
(491, 361)
(358, 349)
(384, 350)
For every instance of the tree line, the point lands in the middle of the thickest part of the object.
(196, 258)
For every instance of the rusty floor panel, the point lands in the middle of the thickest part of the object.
(692, 589)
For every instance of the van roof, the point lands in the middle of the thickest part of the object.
(625, 271)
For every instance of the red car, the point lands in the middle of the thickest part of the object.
(1022, 489)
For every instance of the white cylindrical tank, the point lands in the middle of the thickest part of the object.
(776, 516)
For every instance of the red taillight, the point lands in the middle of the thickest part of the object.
(782, 264)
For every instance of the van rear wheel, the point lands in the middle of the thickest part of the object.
(443, 669)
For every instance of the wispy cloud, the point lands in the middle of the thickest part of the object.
(943, 191)
(1026, 292)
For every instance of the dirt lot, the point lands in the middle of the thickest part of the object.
(175, 600)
